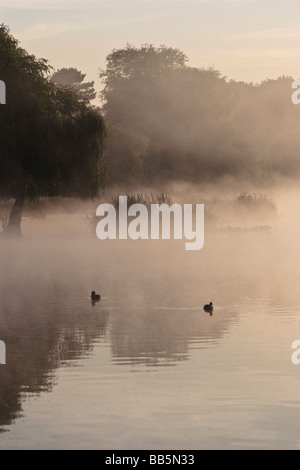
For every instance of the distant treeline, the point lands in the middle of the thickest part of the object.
(168, 121)
(160, 120)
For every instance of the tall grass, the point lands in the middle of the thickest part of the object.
(256, 202)
(163, 197)
(146, 199)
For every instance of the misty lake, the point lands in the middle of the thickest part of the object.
(147, 368)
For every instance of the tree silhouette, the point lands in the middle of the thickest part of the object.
(73, 78)
(51, 142)
(130, 104)
(168, 121)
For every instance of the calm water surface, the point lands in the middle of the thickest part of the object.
(147, 368)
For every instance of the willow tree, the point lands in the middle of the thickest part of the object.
(51, 140)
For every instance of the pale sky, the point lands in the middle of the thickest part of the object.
(246, 40)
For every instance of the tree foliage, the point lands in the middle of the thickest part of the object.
(196, 123)
(73, 78)
(51, 142)
(129, 78)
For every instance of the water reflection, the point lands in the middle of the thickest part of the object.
(49, 324)
(151, 319)
(162, 336)
(44, 329)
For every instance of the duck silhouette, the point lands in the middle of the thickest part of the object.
(95, 297)
(209, 308)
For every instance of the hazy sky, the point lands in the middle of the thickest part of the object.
(245, 39)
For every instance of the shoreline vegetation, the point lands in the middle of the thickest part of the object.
(236, 213)
(245, 212)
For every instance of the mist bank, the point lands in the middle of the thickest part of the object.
(229, 207)
(167, 121)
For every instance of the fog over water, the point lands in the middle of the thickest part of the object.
(147, 367)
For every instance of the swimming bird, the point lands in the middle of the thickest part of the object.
(209, 308)
(95, 297)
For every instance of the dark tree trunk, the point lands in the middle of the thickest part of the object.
(14, 224)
